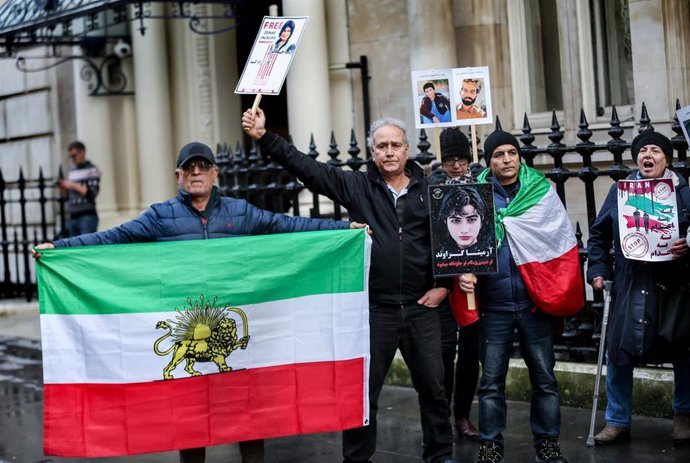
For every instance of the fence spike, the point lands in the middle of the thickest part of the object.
(584, 133)
(556, 135)
(645, 122)
(312, 148)
(498, 123)
(354, 162)
(333, 151)
(615, 131)
(424, 156)
(680, 144)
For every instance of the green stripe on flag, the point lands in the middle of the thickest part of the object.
(533, 187)
(158, 277)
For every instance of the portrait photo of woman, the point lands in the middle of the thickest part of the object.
(463, 231)
(282, 45)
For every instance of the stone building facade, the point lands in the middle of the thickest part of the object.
(543, 55)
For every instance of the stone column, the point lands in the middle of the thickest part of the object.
(571, 82)
(341, 80)
(677, 45)
(431, 34)
(649, 59)
(308, 85)
(154, 133)
(93, 128)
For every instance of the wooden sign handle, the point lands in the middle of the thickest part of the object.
(471, 304)
(257, 100)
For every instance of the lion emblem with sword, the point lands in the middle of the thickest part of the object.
(202, 332)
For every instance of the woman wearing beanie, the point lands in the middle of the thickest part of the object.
(635, 291)
(461, 377)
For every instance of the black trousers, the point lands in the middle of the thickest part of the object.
(461, 377)
(252, 451)
(416, 331)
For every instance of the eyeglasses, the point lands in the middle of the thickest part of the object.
(452, 161)
(204, 166)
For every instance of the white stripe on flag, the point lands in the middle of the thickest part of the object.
(119, 348)
(551, 219)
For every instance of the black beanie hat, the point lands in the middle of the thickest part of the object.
(496, 139)
(454, 143)
(651, 138)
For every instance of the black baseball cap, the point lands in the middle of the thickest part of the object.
(195, 150)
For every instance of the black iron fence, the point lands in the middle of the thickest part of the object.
(250, 175)
(32, 211)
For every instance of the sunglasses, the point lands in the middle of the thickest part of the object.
(204, 166)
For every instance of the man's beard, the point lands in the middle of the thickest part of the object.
(468, 101)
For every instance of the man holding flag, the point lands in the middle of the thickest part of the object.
(199, 212)
(539, 276)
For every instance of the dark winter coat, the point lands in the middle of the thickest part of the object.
(442, 104)
(632, 326)
(504, 291)
(401, 270)
(176, 219)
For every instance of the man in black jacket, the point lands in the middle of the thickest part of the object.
(392, 198)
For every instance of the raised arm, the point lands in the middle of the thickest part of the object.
(337, 184)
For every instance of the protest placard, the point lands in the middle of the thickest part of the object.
(647, 218)
(271, 55)
(463, 233)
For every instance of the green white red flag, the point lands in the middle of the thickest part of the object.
(543, 244)
(271, 333)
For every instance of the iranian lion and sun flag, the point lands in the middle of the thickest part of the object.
(163, 346)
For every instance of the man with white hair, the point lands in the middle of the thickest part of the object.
(391, 197)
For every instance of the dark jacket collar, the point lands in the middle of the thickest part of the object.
(412, 169)
(213, 201)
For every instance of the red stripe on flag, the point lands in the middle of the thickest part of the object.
(556, 285)
(93, 420)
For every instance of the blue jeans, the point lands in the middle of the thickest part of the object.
(416, 331)
(536, 345)
(82, 224)
(619, 384)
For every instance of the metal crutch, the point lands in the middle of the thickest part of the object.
(602, 346)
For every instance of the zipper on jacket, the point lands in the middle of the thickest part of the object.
(204, 223)
(400, 247)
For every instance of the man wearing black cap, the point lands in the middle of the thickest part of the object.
(505, 304)
(200, 212)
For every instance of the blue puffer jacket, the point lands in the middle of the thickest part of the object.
(176, 220)
(503, 291)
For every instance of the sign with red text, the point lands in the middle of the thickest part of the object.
(271, 55)
(647, 218)
(463, 233)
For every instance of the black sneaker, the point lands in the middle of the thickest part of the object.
(490, 452)
(549, 451)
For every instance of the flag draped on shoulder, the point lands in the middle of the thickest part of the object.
(163, 346)
(543, 244)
